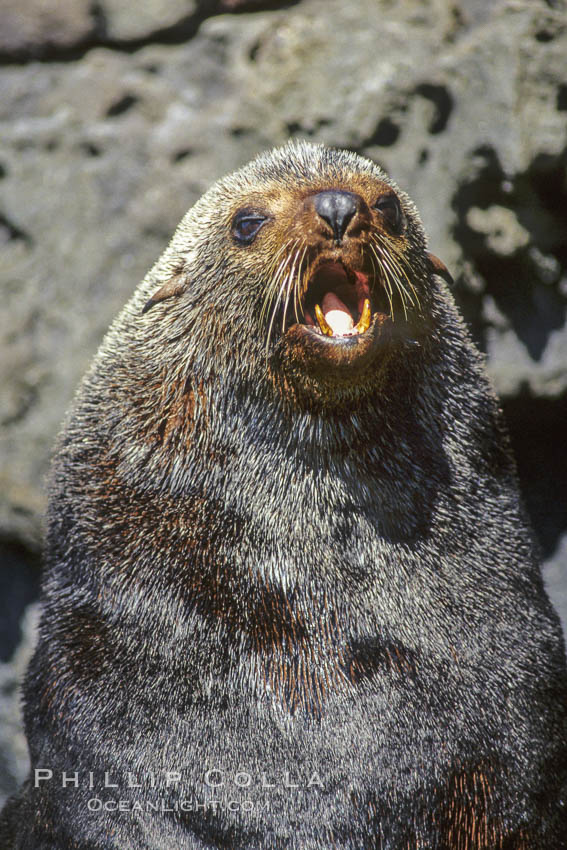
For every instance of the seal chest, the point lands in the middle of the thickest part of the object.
(285, 540)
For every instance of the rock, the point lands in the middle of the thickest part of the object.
(504, 233)
(555, 576)
(14, 761)
(153, 16)
(32, 27)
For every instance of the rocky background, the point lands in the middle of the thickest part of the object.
(115, 117)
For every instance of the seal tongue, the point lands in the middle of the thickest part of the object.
(337, 315)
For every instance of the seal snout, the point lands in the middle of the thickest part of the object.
(337, 208)
(343, 280)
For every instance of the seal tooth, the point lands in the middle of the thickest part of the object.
(364, 321)
(325, 327)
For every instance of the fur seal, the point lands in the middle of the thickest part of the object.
(290, 596)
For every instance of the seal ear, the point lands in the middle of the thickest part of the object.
(440, 268)
(172, 288)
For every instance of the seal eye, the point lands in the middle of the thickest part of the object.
(245, 226)
(389, 207)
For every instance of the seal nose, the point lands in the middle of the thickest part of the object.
(337, 208)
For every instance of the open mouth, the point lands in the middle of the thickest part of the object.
(339, 302)
(342, 324)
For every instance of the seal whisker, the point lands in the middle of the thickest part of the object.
(298, 284)
(289, 284)
(392, 278)
(294, 271)
(405, 296)
(274, 276)
(402, 291)
(282, 262)
(386, 278)
(399, 261)
(275, 288)
(277, 299)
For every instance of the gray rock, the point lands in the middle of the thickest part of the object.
(122, 23)
(14, 759)
(555, 576)
(34, 26)
(504, 233)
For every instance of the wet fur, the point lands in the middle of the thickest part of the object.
(252, 570)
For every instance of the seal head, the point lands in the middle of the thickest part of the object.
(330, 268)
